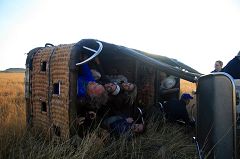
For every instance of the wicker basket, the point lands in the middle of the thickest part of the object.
(50, 109)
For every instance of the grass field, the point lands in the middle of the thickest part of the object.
(160, 140)
(12, 106)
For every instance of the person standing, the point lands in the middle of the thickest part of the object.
(218, 66)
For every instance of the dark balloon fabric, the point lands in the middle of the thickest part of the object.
(233, 67)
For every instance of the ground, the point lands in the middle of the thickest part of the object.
(160, 140)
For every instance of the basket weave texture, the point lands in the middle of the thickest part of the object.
(56, 113)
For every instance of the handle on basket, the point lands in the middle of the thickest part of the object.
(49, 45)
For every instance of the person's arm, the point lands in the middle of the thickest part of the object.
(86, 72)
(84, 76)
(104, 78)
(168, 91)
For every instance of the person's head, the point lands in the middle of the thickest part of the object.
(218, 65)
(95, 89)
(138, 128)
(128, 86)
(97, 93)
(186, 97)
(131, 90)
(112, 88)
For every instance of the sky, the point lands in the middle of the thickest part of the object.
(196, 32)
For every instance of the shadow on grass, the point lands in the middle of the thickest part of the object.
(160, 140)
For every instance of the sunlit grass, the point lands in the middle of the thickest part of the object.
(160, 140)
(187, 87)
(12, 105)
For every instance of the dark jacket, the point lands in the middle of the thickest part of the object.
(120, 105)
(176, 110)
(117, 105)
(120, 127)
(217, 71)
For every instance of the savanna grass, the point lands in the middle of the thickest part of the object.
(160, 140)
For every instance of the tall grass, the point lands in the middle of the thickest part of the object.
(12, 105)
(187, 87)
(160, 140)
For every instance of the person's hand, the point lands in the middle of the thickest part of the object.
(92, 115)
(80, 120)
(130, 120)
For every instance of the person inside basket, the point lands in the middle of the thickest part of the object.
(176, 109)
(91, 96)
(126, 91)
(131, 90)
(88, 90)
(120, 125)
(121, 105)
(121, 99)
(169, 87)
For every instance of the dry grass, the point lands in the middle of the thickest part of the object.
(12, 105)
(188, 87)
(159, 141)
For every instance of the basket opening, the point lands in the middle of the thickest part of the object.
(56, 88)
(43, 66)
(44, 107)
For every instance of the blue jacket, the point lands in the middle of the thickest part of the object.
(84, 77)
